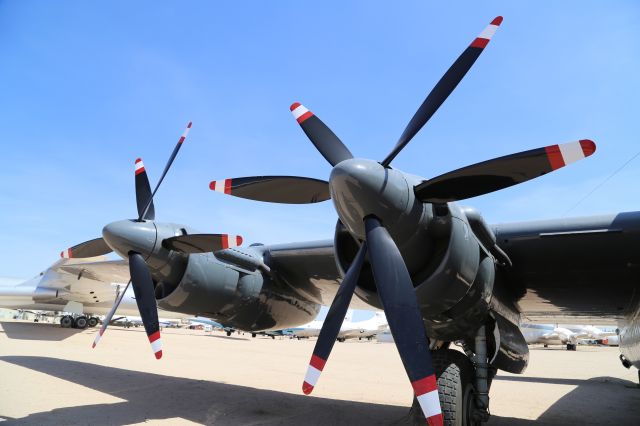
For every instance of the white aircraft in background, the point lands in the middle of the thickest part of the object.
(364, 329)
(569, 335)
(312, 329)
(82, 288)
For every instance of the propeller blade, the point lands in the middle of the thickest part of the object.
(405, 321)
(166, 169)
(91, 248)
(275, 189)
(107, 319)
(333, 321)
(143, 192)
(329, 145)
(503, 172)
(146, 300)
(444, 87)
(201, 243)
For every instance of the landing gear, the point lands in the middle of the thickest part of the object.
(571, 346)
(253, 334)
(93, 321)
(341, 339)
(66, 321)
(80, 322)
(455, 387)
(229, 332)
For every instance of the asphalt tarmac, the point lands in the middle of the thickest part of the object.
(51, 376)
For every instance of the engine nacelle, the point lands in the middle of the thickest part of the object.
(453, 274)
(236, 296)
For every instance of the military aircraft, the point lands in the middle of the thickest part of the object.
(403, 245)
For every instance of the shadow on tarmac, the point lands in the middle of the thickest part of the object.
(152, 396)
(36, 331)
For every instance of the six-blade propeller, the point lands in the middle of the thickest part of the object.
(394, 284)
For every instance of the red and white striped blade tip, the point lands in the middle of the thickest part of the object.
(231, 241)
(156, 344)
(485, 36)
(306, 388)
(564, 154)
(316, 365)
(300, 112)
(426, 391)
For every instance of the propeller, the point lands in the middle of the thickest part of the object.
(143, 193)
(275, 189)
(107, 319)
(201, 243)
(91, 248)
(390, 273)
(499, 173)
(146, 300)
(444, 87)
(149, 204)
(141, 278)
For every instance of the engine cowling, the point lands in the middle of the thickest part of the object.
(453, 274)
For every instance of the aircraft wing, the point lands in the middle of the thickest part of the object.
(86, 281)
(309, 269)
(581, 270)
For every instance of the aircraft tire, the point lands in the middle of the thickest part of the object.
(80, 322)
(93, 321)
(455, 388)
(66, 321)
(229, 333)
(571, 346)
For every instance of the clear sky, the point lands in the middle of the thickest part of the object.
(86, 87)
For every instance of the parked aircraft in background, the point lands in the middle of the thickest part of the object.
(82, 288)
(366, 329)
(561, 334)
(312, 329)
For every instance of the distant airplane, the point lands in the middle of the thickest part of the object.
(366, 329)
(82, 288)
(569, 335)
(312, 329)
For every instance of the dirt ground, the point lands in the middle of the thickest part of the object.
(50, 375)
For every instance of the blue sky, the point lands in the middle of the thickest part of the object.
(86, 87)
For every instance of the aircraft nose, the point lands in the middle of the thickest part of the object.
(360, 188)
(125, 236)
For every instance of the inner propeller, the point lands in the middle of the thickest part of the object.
(370, 196)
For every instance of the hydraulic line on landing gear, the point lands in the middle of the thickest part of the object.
(482, 375)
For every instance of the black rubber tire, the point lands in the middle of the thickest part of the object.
(229, 333)
(93, 321)
(571, 347)
(80, 322)
(66, 321)
(455, 389)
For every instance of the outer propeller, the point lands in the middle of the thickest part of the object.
(107, 319)
(275, 189)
